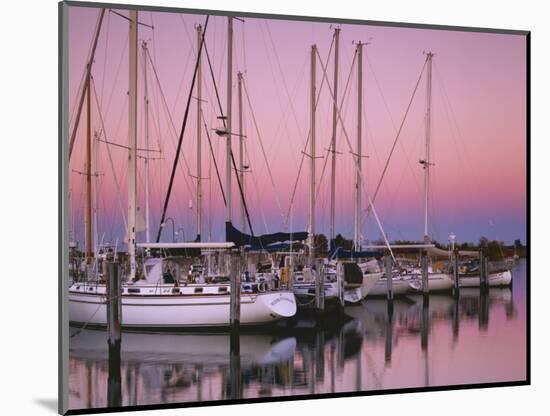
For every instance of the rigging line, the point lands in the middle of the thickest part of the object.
(127, 18)
(139, 149)
(225, 126)
(242, 197)
(119, 198)
(122, 56)
(87, 82)
(341, 104)
(258, 194)
(184, 124)
(283, 127)
(282, 74)
(395, 140)
(378, 86)
(167, 110)
(105, 58)
(277, 198)
(371, 204)
(243, 48)
(452, 118)
(81, 84)
(213, 157)
(285, 224)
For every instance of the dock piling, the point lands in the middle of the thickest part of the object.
(235, 293)
(388, 263)
(235, 319)
(289, 264)
(483, 272)
(456, 288)
(319, 285)
(114, 306)
(114, 315)
(425, 281)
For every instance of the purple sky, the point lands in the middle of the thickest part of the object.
(478, 124)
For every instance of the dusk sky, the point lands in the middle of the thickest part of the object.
(478, 183)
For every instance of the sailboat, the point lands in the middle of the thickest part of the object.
(437, 279)
(157, 297)
(469, 275)
(360, 276)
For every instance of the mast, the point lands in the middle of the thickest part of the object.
(88, 172)
(95, 159)
(357, 216)
(311, 228)
(132, 141)
(86, 88)
(229, 112)
(333, 142)
(241, 147)
(427, 162)
(199, 129)
(146, 127)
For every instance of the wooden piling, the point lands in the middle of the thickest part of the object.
(114, 304)
(456, 289)
(424, 326)
(483, 275)
(289, 264)
(235, 366)
(456, 318)
(319, 353)
(340, 283)
(389, 281)
(320, 285)
(425, 281)
(235, 293)
(388, 344)
(114, 316)
(483, 318)
(235, 319)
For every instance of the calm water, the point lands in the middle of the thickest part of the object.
(474, 339)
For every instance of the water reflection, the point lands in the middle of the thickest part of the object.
(410, 343)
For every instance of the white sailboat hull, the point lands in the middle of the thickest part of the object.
(176, 311)
(503, 278)
(437, 282)
(399, 286)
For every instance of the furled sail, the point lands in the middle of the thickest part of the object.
(241, 239)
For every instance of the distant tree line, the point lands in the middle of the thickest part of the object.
(494, 249)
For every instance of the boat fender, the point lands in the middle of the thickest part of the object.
(262, 287)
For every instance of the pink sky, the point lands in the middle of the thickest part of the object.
(478, 130)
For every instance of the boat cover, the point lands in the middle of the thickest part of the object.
(241, 239)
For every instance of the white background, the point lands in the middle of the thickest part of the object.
(29, 192)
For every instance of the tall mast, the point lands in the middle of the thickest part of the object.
(146, 115)
(427, 162)
(132, 142)
(199, 129)
(357, 216)
(311, 227)
(333, 142)
(95, 159)
(88, 172)
(229, 112)
(241, 147)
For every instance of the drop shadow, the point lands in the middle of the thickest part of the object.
(47, 403)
